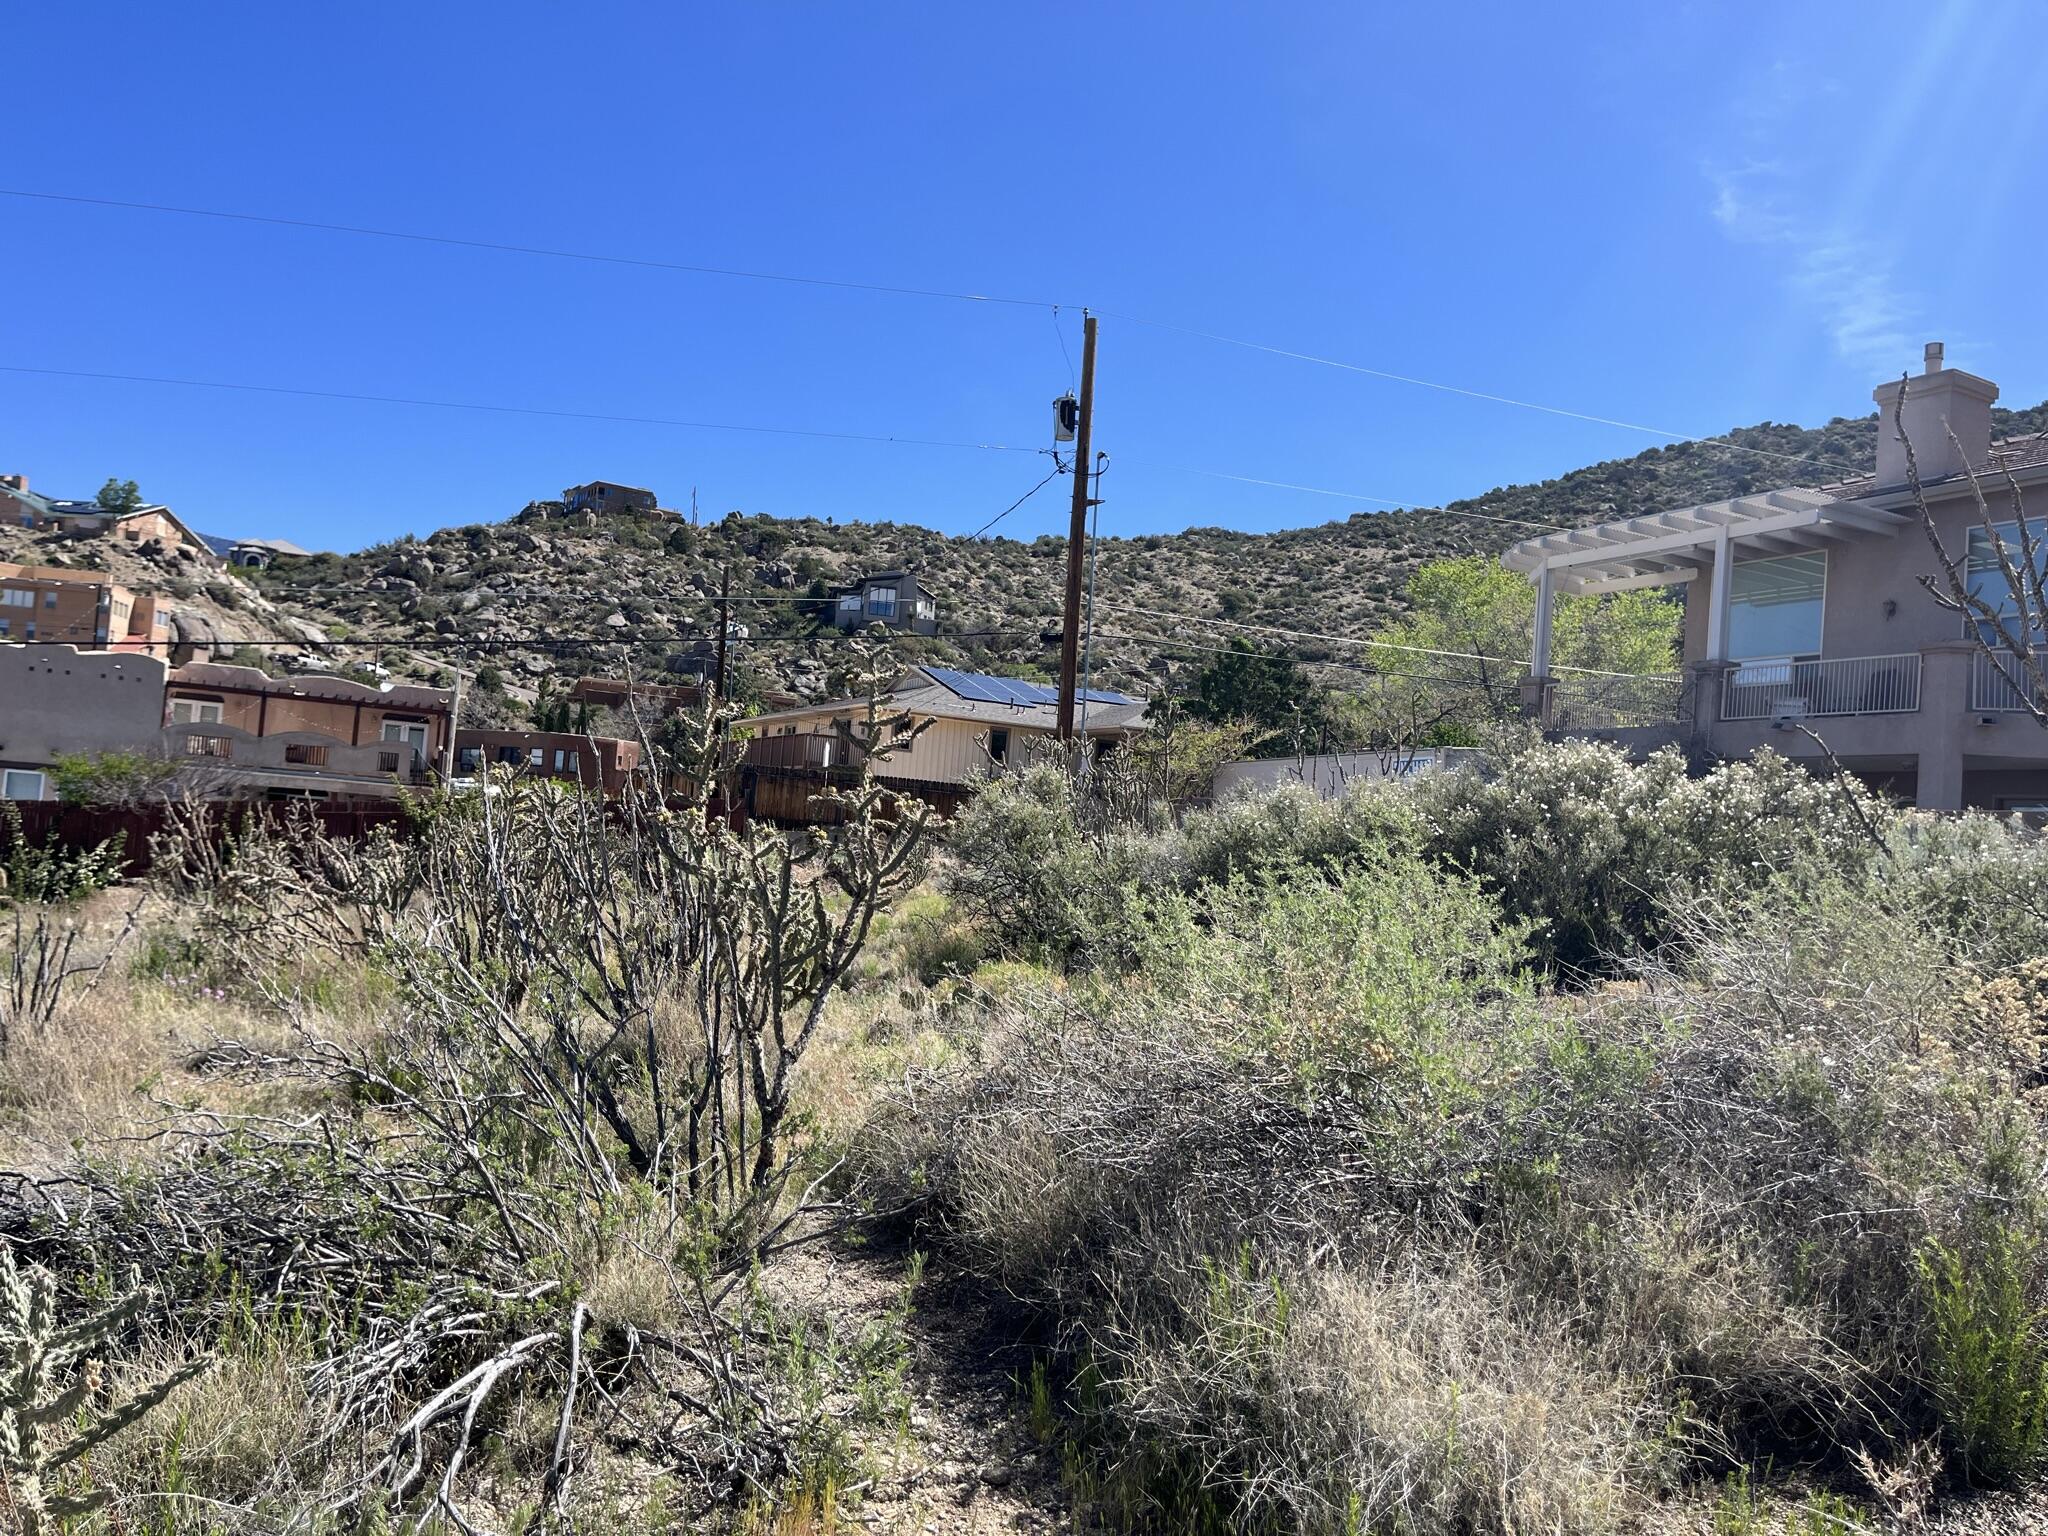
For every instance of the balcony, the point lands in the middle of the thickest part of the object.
(1848, 685)
(1611, 701)
(1998, 686)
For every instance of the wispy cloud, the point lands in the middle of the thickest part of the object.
(1845, 278)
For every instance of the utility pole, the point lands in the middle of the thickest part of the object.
(1077, 536)
(724, 624)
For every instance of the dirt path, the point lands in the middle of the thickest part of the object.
(968, 1464)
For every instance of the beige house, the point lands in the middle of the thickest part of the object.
(52, 602)
(977, 724)
(61, 701)
(1805, 611)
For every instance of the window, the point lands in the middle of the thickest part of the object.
(387, 762)
(50, 598)
(195, 711)
(29, 630)
(1774, 607)
(412, 733)
(3, 629)
(21, 784)
(850, 603)
(534, 757)
(17, 597)
(882, 602)
(305, 754)
(561, 759)
(1981, 570)
(511, 755)
(999, 745)
(468, 760)
(575, 762)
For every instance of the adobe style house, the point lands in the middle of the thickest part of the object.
(52, 602)
(978, 724)
(894, 598)
(325, 738)
(1804, 610)
(608, 496)
(603, 763)
(63, 701)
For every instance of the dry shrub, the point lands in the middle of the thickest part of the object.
(1445, 1411)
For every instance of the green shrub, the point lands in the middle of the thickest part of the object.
(1987, 1355)
(1596, 847)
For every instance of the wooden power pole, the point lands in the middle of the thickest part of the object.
(1077, 537)
(724, 627)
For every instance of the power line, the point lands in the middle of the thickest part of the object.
(1058, 470)
(1473, 394)
(510, 410)
(1383, 645)
(603, 258)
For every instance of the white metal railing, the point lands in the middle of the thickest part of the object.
(1992, 683)
(1611, 701)
(1847, 685)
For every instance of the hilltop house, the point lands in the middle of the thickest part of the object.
(894, 598)
(608, 496)
(24, 508)
(1805, 610)
(977, 723)
(257, 553)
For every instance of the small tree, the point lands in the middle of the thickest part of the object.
(120, 495)
(1266, 689)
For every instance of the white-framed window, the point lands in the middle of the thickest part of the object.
(850, 603)
(1775, 608)
(195, 711)
(412, 732)
(1986, 578)
(50, 598)
(17, 597)
(22, 784)
(535, 757)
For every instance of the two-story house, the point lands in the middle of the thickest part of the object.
(325, 738)
(60, 701)
(894, 598)
(608, 496)
(55, 603)
(1805, 609)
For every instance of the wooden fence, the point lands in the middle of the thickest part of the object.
(787, 797)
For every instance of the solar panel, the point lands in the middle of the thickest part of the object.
(985, 688)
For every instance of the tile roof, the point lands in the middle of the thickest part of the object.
(2027, 452)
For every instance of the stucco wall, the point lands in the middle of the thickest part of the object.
(56, 700)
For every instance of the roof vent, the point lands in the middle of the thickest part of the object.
(1933, 357)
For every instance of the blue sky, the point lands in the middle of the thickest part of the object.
(1680, 216)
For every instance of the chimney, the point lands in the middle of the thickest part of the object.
(13, 482)
(1940, 401)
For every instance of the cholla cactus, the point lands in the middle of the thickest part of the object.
(35, 1355)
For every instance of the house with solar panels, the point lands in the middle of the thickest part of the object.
(979, 723)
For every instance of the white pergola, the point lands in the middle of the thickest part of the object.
(1664, 548)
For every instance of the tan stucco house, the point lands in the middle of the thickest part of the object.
(1805, 610)
(978, 723)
